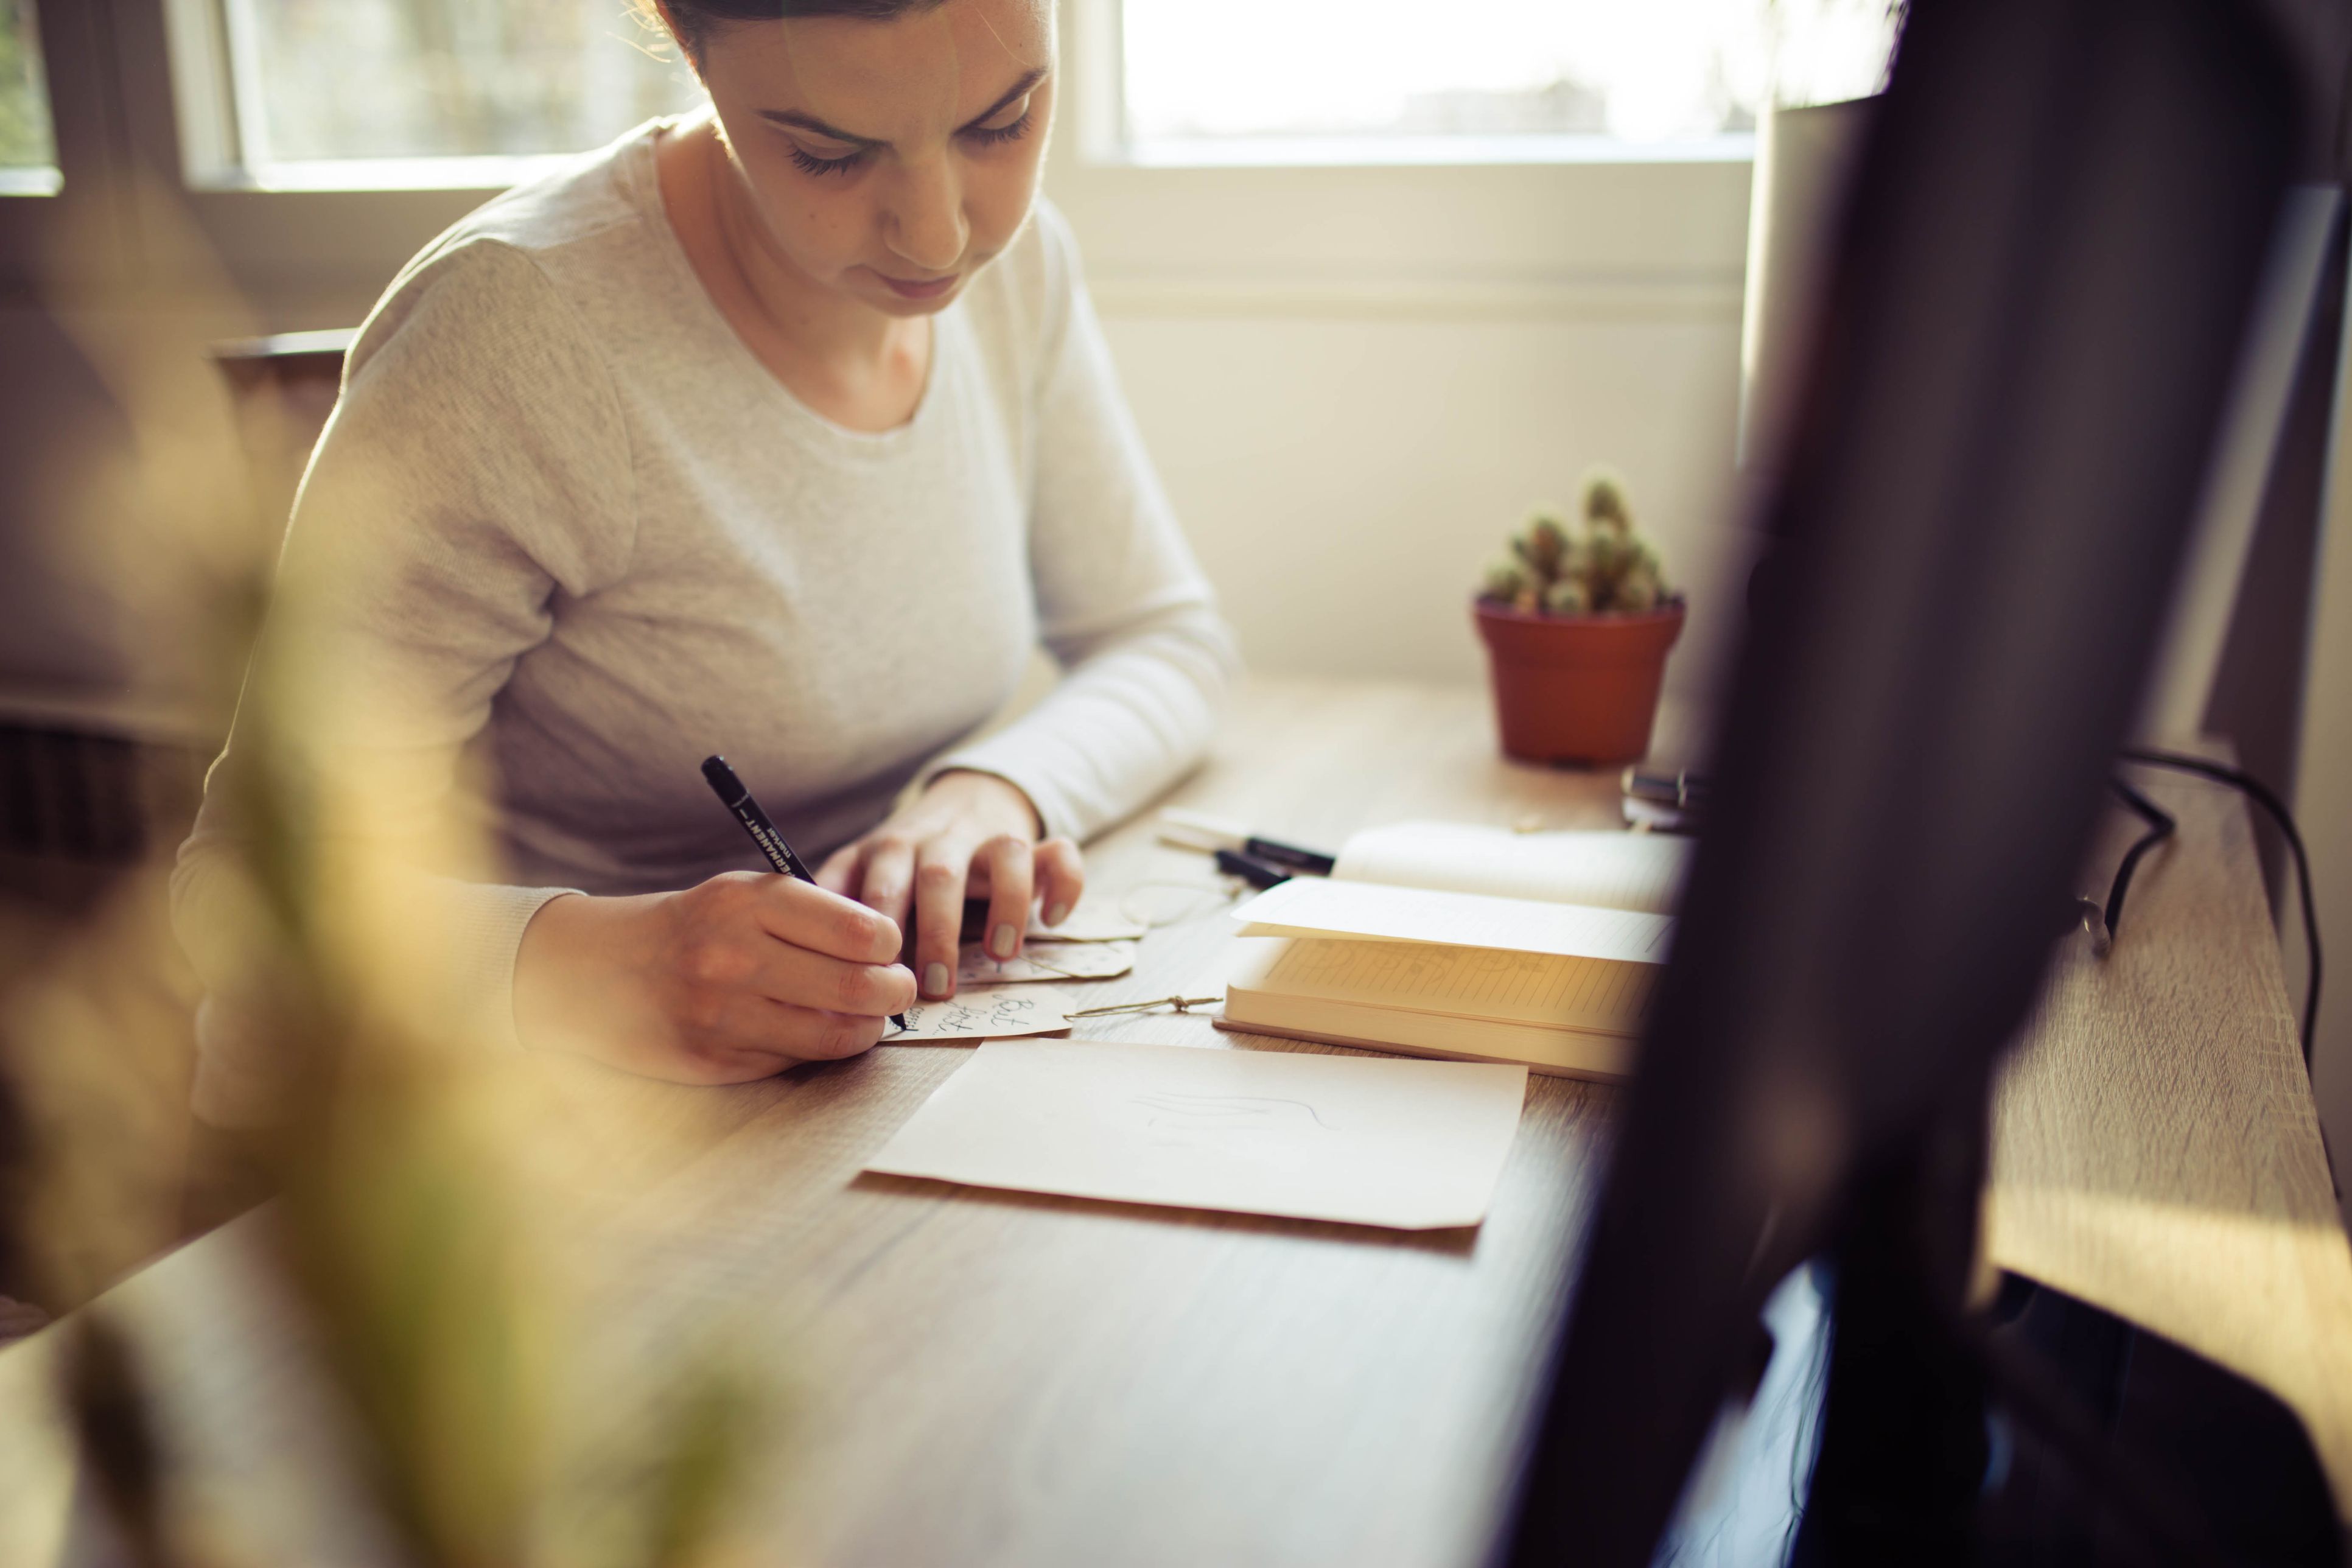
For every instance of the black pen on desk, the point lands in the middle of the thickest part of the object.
(1258, 873)
(1192, 830)
(1683, 790)
(1290, 857)
(736, 798)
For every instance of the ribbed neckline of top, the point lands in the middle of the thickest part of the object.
(641, 181)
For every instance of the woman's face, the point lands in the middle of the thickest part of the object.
(889, 160)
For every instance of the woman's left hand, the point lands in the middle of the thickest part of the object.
(967, 834)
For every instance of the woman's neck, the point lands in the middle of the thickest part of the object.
(846, 360)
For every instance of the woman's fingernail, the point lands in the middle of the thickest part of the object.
(1055, 914)
(935, 980)
(1000, 941)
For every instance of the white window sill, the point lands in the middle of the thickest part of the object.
(499, 173)
(34, 182)
(1413, 152)
(386, 174)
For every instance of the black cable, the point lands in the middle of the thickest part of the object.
(2160, 829)
(2260, 793)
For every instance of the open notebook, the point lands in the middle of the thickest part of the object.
(1445, 940)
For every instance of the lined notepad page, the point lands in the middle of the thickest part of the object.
(1641, 871)
(1467, 982)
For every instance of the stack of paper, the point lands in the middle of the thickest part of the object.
(1445, 940)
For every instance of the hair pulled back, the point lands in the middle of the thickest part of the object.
(694, 20)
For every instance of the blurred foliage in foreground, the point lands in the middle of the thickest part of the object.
(428, 1273)
(26, 141)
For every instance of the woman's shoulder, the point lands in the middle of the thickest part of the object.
(579, 199)
(546, 247)
(1024, 300)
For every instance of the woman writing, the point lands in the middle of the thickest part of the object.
(785, 430)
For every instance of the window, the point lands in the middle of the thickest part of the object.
(442, 80)
(1523, 77)
(314, 87)
(28, 151)
(1583, 153)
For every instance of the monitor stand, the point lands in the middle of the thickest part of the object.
(1902, 1465)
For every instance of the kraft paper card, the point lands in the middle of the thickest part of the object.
(1413, 1145)
(1091, 921)
(1066, 960)
(983, 1015)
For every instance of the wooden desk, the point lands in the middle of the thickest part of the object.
(992, 1378)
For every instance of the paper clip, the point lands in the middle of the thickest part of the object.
(1181, 1004)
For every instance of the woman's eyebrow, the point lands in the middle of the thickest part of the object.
(801, 121)
(798, 119)
(1005, 100)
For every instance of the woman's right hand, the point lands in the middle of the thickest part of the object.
(732, 980)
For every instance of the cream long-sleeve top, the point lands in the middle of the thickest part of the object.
(583, 538)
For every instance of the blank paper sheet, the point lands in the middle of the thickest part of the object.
(1309, 905)
(1615, 870)
(1413, 1145)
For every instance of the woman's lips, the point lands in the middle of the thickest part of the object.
(929, 289)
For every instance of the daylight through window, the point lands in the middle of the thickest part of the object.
(322, 80)
(1656, 71)
(27, 146)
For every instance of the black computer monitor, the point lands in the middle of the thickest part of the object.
(2047, 258)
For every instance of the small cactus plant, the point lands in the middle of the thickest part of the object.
(1597, 564)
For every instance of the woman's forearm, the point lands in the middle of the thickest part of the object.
(1133, 715)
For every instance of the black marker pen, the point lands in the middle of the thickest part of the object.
(1259, 874)
(738, 799)
(1275, 852)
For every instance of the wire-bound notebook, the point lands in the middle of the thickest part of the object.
(1442, 940)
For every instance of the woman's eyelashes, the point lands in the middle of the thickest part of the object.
(820, 164)
(811, 164)
(991, 135)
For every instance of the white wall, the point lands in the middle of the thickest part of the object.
(1345, 478)
(1355, 381)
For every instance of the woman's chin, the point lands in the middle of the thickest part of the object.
(907, 297)
(912, 308)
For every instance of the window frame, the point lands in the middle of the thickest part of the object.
(271, 244)
(1416, 226)
(35, 180)
(77, 234)
(1106, 141)
(146, 115)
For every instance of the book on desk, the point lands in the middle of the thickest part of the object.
(1477, 944)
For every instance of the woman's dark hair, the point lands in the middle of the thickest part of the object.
(693, 20)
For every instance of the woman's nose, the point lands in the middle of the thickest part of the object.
(925, 222)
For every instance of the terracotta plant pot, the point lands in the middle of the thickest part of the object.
(1577, 688)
